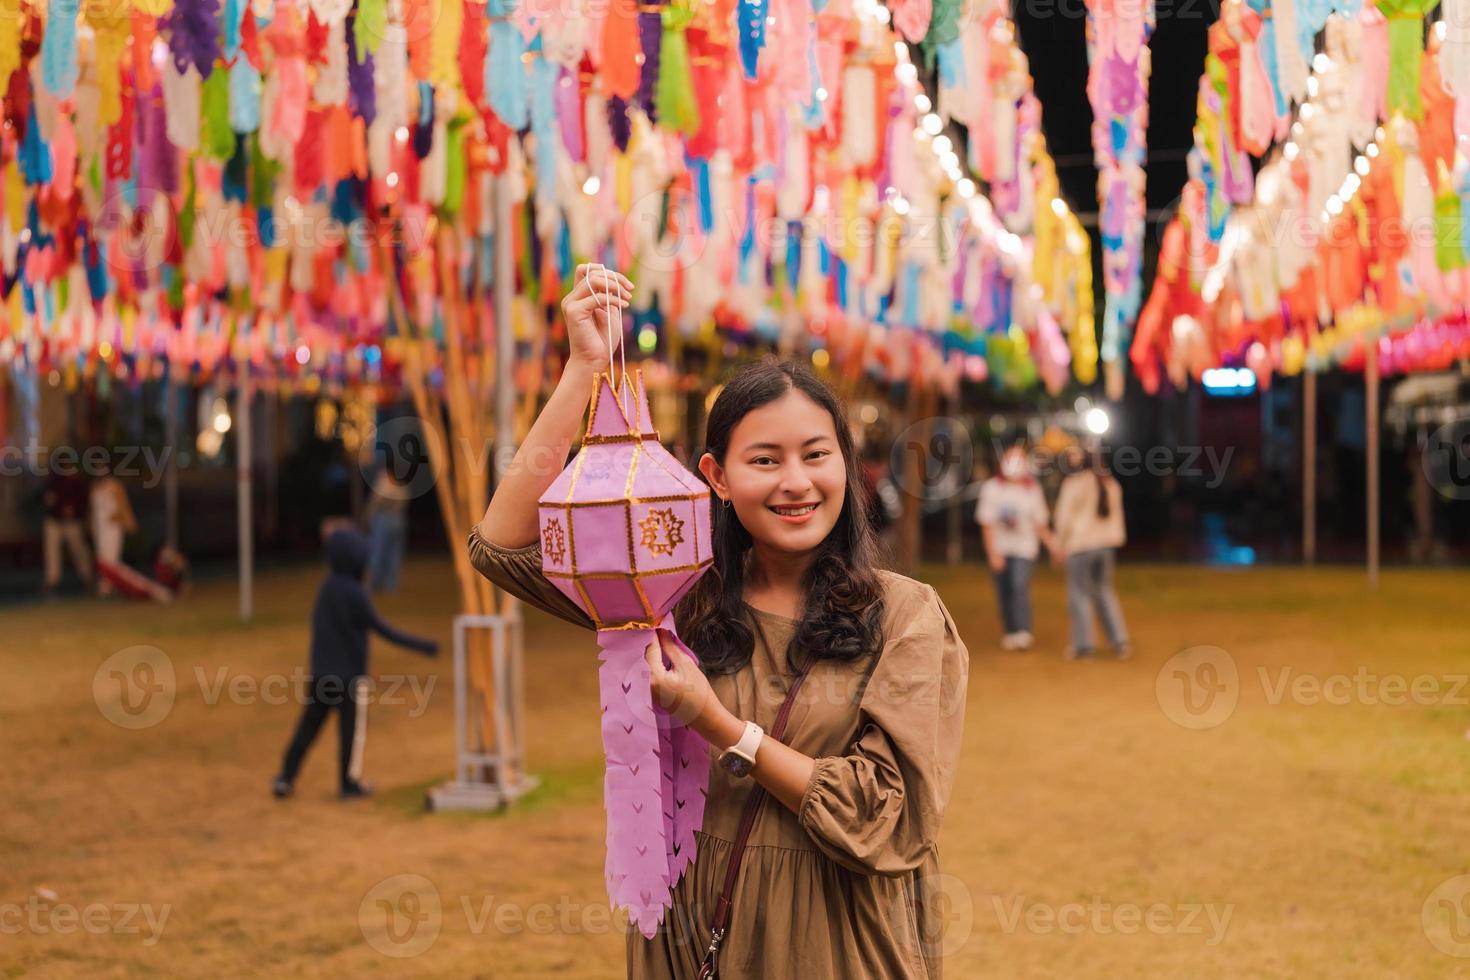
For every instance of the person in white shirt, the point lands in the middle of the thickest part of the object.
(1013, 519)
(1089, 529)
(112, 522)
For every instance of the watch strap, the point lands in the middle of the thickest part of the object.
(750, 741)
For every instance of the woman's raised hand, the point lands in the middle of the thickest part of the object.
(595, 292)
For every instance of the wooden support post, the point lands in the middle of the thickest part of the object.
(1309, 467)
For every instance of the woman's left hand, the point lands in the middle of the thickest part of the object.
(681, 687)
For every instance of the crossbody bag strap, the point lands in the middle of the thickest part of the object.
(710, 967)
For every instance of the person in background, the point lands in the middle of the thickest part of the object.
(1089, 528)
(66, 506)
(112, 521)
(387, 522)
(1013, 519)
(340, 621)
(171, 570)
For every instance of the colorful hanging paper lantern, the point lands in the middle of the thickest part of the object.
(625, 533)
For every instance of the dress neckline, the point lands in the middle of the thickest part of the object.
(770, 615)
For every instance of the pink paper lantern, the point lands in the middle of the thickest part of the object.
(625, 533)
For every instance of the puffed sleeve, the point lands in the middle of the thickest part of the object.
(518, 571)
(878, 808)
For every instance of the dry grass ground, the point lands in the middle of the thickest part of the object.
(1320, 829)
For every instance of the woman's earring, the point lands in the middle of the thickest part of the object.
(727, 501)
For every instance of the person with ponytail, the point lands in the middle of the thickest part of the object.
(1090, 530)
(831, 691)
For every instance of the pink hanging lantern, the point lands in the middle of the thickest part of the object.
(625, 533)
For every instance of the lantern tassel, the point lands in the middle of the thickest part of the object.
(637, 868)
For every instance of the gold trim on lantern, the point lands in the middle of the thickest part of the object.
(602, 440)
(608, 576)
(656, 499)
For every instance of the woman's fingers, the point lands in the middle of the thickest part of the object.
(584, 305)
(662, 682)
(601, 278)
(587, 298)
(655, 657)
(591, 278)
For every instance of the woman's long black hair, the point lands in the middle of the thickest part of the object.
(842, 616)
(1100, 473)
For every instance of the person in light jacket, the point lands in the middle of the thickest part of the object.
(112, 521)
(1089, 531)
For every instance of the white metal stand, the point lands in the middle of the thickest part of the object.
(468, 790)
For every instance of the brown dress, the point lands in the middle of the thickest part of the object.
(847, 887)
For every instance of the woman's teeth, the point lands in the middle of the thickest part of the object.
(795, 511)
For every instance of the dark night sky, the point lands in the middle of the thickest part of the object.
(1053, 35)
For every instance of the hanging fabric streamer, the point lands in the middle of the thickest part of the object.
(674, 100)
(244, 97)
(444, 59)
(370, 24)
(234, 14)
(193, 31)
(505, 74)
(218, 137)
(331, 75)
(12, 23)
(542, 112)
(182, 101)
(59, 69)
(362, 93)
(111, 26)
(752, 31)
(621, 72)
(650, 43)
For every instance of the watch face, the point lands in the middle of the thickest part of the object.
(736, 765)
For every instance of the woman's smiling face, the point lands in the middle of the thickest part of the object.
(783, 473)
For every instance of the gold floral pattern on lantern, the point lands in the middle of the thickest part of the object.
(662, 531)
(554, 541)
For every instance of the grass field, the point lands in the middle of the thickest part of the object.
(1312, 831)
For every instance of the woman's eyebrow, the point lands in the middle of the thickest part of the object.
(772, 445)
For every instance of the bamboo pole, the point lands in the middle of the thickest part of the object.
(443, 462)
(502, 288)
(468, 479)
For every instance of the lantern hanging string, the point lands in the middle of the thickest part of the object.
(622, 354)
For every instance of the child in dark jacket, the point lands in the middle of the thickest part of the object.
(339, 645)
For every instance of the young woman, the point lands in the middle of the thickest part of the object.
(837, 874)
(1089, 519)
(1013, 519)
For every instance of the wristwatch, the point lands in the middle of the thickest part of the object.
(739, 759)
